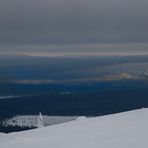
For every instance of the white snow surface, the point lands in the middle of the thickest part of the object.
(2, 134)
(122, 130)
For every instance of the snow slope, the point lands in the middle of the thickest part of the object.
(123, 130)
(2, 134)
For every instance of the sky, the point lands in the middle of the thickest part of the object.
(74, 26)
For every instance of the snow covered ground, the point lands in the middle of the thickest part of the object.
(31, 120)
(123, 130)
(2, 134)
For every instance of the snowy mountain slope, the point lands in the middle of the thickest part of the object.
(123, 130)
(2, 134)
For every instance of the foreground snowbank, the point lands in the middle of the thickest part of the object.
(123, 130)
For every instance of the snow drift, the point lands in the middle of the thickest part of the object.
(123, 130)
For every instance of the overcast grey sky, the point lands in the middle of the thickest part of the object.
(28, 23)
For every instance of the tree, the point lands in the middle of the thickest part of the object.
(40, 121)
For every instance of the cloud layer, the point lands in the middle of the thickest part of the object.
(60, 22)
(92, 49)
